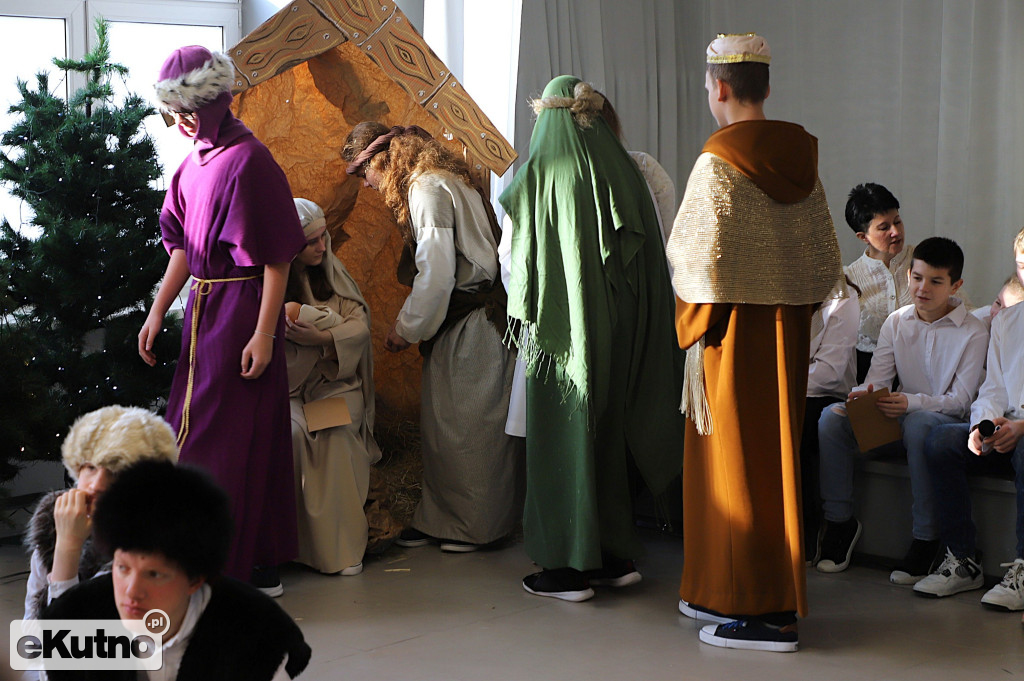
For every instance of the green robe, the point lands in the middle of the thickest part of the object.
(592, 306)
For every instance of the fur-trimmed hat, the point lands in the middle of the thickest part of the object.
(193, 76)
(116, 437)
(176, 511)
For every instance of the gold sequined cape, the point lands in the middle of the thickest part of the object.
(752, 254)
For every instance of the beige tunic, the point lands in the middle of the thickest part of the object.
(332, 466)
(472, 470)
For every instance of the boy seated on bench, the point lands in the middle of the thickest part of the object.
(938, 350)
(954, 451)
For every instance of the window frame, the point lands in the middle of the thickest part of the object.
(227, 15)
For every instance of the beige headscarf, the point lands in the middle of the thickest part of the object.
(312, 218)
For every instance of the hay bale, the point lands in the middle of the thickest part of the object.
(396, 481)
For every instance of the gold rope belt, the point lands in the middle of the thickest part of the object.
(202, 287)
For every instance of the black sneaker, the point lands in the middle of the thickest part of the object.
(267, 580)
(411, 538)
(813, 554)
(751, 634)
(917, 564)
(565, 584)
(614, 572)
(702, 614)
(837, 542)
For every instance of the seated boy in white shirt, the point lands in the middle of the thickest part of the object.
(938, 351)
(1011, 293)
(955, 450)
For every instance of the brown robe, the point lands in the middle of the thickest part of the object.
(741, 484)
(753, 250)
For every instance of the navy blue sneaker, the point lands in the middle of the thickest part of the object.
(751, 634)
(702, 614)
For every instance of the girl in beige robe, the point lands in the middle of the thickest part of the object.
(329, 355)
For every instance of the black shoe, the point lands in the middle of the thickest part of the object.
(411, 538)
(751, 634)
(837, 542)
(267, 580)
(614, 572)
(813, 552)
(563, 583)
(917, 564)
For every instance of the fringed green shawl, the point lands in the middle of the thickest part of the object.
(585, 228)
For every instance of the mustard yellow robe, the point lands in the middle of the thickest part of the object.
(743, 552)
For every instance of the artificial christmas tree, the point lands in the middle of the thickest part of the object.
(78, 285)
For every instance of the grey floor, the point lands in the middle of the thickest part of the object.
(418, 614)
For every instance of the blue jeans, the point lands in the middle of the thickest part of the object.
(949, 462)
(839, 452)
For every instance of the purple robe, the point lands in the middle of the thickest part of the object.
(230, 208)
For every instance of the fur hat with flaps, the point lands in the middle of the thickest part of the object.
(193, 76)
(115, 438)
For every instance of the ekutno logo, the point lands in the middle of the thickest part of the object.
(89, 644)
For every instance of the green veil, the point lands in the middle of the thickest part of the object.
(586, 233)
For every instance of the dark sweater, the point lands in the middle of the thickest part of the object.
(242, 634)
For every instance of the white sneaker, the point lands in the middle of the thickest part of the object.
(1009, 593)
(951, 577)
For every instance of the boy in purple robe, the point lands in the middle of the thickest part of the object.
(228, 220)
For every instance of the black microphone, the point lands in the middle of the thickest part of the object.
(986, 429)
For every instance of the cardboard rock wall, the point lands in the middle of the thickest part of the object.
(302, 100)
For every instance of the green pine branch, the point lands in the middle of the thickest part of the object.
(78, 284)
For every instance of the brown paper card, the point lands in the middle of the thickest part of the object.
(326, 413)
(871, 428)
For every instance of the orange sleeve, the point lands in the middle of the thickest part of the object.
(693, 320)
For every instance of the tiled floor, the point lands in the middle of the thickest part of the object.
(418, 615)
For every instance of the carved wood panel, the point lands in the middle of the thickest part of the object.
(298, 32)
(306, 29)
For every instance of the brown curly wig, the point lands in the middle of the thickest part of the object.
(407, 156)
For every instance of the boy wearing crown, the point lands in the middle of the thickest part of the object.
(753, 193)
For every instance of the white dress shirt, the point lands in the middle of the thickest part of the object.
(883, 290)
(939, 363)
(1002, 393)
(39, 576)
(454, 249)
(833, 369)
